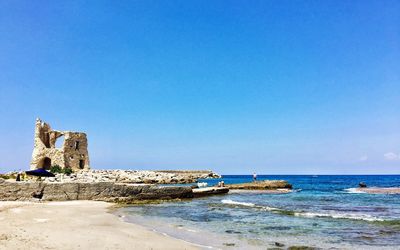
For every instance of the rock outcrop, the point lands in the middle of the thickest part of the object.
(200, 192)
(379, 190)
(261, 185)
(101, 191)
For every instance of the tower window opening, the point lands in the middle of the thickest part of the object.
(81, 164)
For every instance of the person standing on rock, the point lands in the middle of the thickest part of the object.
(254, 176)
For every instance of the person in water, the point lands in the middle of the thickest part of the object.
(254, 176)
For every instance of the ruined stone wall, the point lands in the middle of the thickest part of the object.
(72, 154)
(75, 151)
(103, 191)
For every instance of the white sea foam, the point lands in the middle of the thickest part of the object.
(248, 204)
(354, 191)
(231, 202)
(270, 208)
(335, 215)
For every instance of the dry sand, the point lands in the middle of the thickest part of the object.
(75, 225)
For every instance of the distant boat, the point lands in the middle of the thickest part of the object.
(315, 176)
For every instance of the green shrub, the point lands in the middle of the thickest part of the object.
(56, 169)
(67, 171)
(4, 176)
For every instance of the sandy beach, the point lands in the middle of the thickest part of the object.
(75, 225)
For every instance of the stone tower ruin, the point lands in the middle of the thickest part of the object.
(72, 153)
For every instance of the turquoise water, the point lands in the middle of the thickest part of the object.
(323, 211)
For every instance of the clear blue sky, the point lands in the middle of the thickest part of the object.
(276, 87)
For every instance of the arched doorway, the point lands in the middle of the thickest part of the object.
(45, 163)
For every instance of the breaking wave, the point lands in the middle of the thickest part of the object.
(231, 202)
(334, 215)
(354, 191)
(265, 208)
(304, 214)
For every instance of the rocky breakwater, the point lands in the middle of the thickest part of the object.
(378, 190)
(279, 185)
(134, 176)
(11, 190)
(199, 174)
(104, 185)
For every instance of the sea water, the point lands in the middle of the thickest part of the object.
(322, 211)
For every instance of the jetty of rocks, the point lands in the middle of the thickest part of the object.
(127, 176)
(262, 185)
(200, 192)
(134, 176)
(103, 185)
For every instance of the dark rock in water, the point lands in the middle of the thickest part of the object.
(279, 244)
(253, 231)
(362, 185)
(281, 228)
(229, 231)
(302, 248)
(366, 237)
(387, 232)
(229, 244)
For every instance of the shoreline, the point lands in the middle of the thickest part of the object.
(200, 237)
(76, 225)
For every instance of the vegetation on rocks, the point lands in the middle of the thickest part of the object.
(56, 169)
(10, 175)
